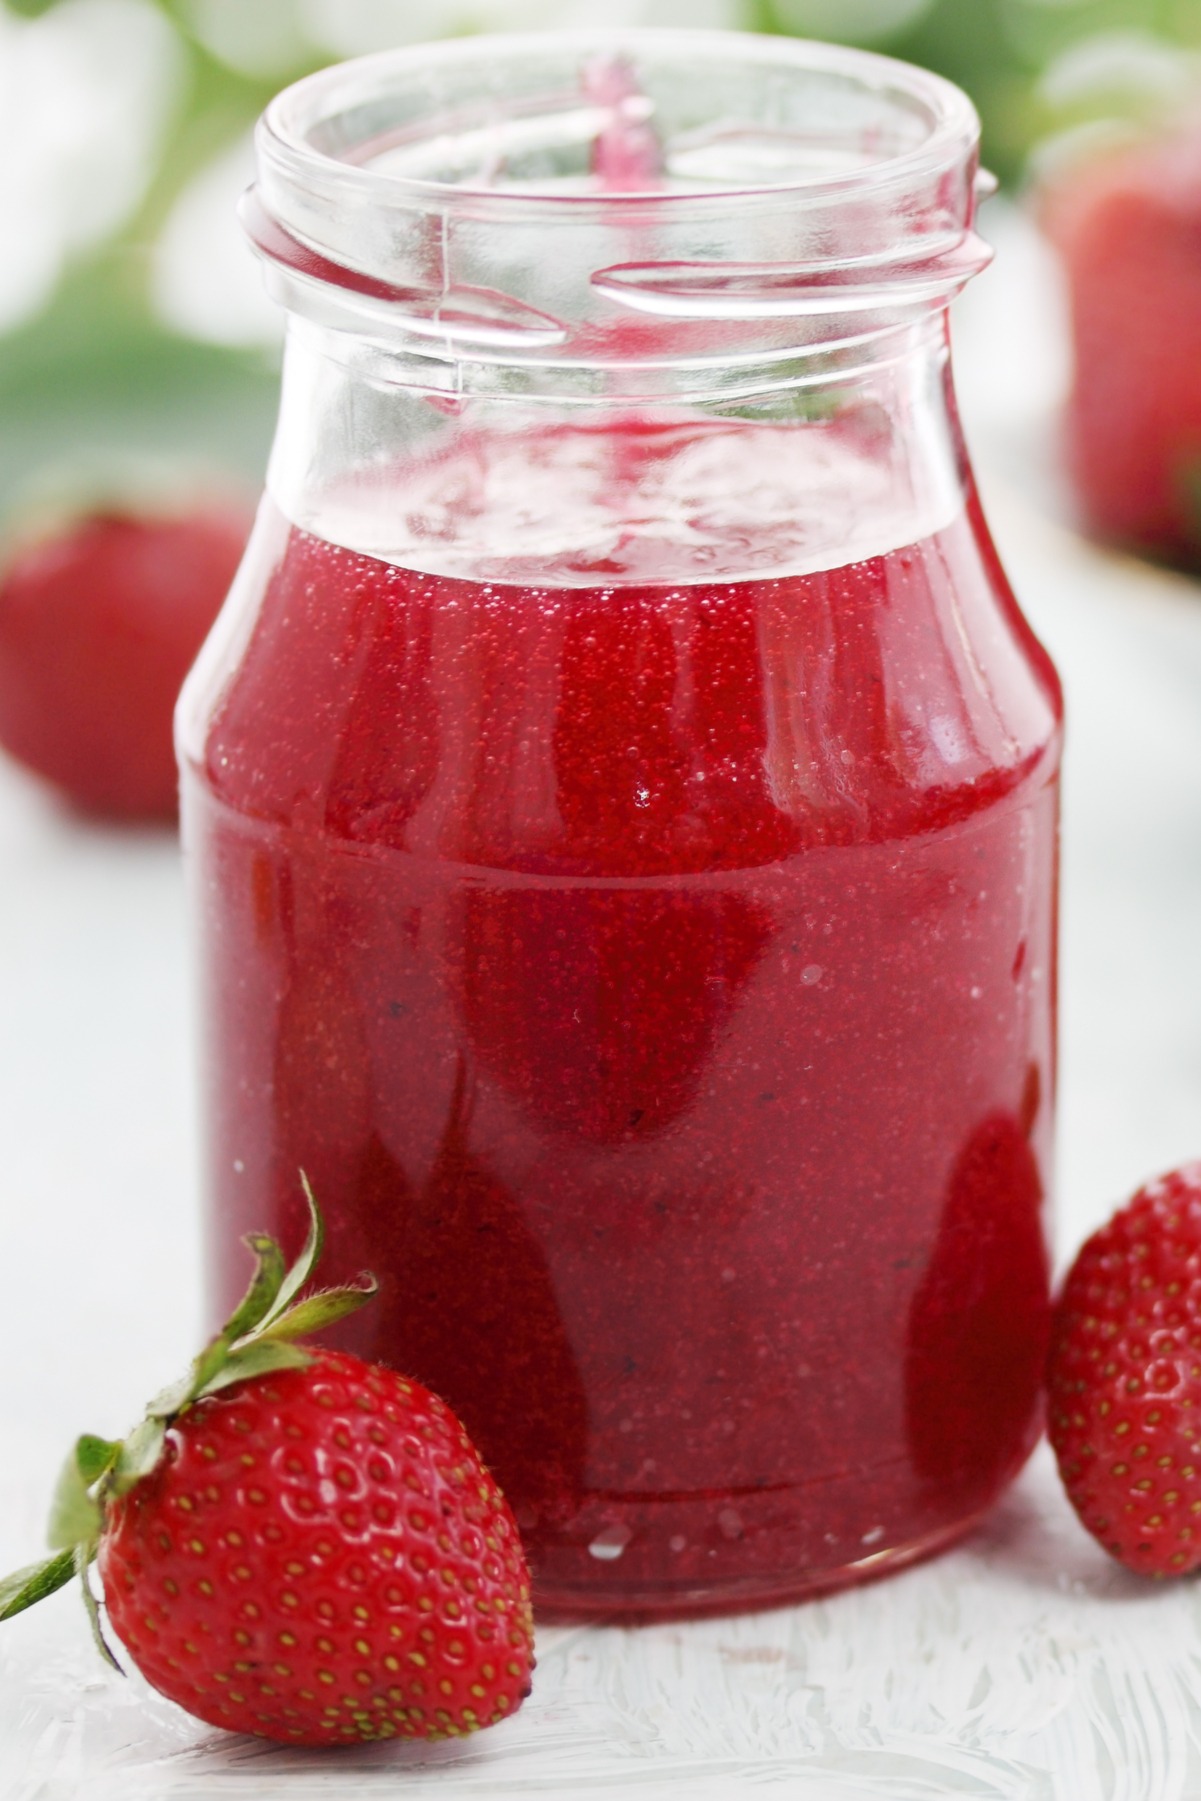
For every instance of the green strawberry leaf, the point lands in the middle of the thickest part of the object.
(82, 1557)
(258, 1358)
(95, 1456)
(262, 1296)
(256, 1304)
(139, 1454)
(266, 1304)
(319, 1311)
(24, 1588)
(75, 1516)
(170, 1401)
(302, 1270)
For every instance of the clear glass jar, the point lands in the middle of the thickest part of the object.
(620, 796)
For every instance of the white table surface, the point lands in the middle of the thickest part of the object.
(1021, 1667)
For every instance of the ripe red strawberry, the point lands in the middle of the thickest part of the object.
(1126, 223)
(298, 1544)
(100, 621)
(1124, 1379)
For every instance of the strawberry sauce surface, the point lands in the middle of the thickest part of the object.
(655, 979)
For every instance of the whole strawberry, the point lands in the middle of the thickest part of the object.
(298, 1544)
(101, 618)
(1126, 223)
(1124, 1379)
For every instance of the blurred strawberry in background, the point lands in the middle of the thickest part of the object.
(1121, 202)
(1128, 225)
(101, 616)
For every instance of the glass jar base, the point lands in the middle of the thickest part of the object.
(649, 1603)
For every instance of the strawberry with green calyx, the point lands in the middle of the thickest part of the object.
(295, 1543)
(256, 1340)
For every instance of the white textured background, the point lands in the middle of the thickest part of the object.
(1022, 1667)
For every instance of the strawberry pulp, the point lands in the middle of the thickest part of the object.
(655, 980)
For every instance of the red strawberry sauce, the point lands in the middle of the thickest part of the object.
(655, 980)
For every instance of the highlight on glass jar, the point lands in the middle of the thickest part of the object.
(620, 798)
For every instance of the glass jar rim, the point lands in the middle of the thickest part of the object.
(318, 104)
(812, 198)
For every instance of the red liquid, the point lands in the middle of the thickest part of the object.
(656, 983)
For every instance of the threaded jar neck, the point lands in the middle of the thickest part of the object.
(618, 214)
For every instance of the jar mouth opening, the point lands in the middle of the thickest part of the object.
(544, 124)
(598, 202)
